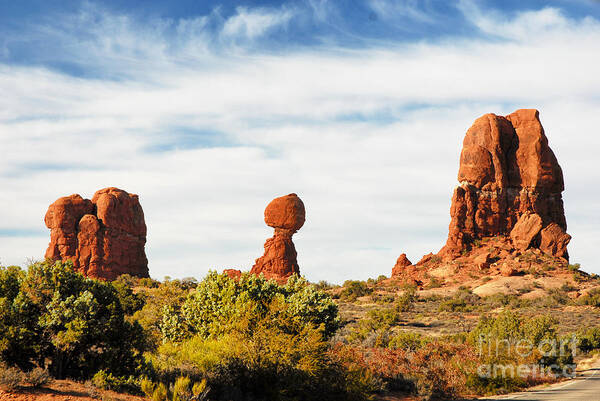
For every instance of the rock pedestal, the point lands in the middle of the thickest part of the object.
(286, 215)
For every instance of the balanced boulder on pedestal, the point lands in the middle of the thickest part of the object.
(286, 215)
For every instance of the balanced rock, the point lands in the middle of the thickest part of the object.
(507, 170)
(286, 215)
(401, 264)
(103, 237)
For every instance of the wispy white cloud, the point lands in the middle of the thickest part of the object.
(400, 9)
(254, 23)
(369, 138)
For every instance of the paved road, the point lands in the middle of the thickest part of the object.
(583, 388)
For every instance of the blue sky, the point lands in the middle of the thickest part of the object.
(208, 110)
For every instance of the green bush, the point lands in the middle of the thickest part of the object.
(588, 339)
(262, 363)
(405, 302)
(591, 298)
(408, 340)
(107, 381)
(131, 302)
(557, 296)
(160, 393)
(220, 304)
(170, 295)
(61, 317)
(462, 301)
(253, 339)
(498, 340)
(353, 289)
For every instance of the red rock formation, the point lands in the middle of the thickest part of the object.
(401, 264)
(506, 170)
(525, 230)
(233, 273)
(286, 215)
(104, 237)
(554, 241)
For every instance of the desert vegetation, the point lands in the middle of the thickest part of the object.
(250, 338)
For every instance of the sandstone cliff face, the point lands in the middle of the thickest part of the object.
(103, 237)
(507, 171)
(286, 215)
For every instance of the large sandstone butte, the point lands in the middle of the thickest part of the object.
(510, 184)
(103, 237)
(286, 215)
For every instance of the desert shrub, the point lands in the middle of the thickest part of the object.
(92, 391)
(588, 339)
(10, 281)
(10, 378)
(353, 289)
(462, 301)
(107, 381)
(591, 298)
(408, 340)
(567, 287)
(434, 282)
(453, 305)
(373, 330)
(219, 304)
(181, 390)
(261, 363)
(438, 371)
(556, 297)
(147, 386)
(512, 301)
(147, 282)
(131, 302)
(75, 323)
(405, 302)
(160, 393)
(38, 377)
(384, 298)
(323, 285)
(574, 267)
(253, 339)
(507, 340)
(168, 295)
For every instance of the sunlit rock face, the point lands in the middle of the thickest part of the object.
(286, 215)
(103, 237)
(510, 184)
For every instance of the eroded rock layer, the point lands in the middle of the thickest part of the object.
(104, 237)
(507, 171)
(286, 215)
